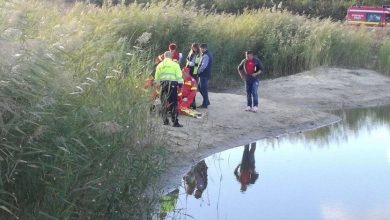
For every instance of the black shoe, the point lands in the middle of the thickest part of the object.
(177, 125)
(166, 122)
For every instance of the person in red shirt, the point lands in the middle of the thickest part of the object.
(175, 55)
(245, 172)
(249, 70)
(187, 93)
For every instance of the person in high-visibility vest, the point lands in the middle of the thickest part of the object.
(187, 94)
(193, 60)
(169, 75)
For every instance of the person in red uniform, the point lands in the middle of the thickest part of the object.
(175, 55)
(188, 90)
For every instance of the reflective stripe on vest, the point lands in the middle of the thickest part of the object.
(167, 76)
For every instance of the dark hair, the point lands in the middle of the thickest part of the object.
(204, 46)
(195, 45)
(249, 52)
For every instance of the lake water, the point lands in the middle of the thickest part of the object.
(336, 172)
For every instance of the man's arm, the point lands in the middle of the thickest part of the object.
(204, 62)
(157, 75)
(240, 68)
(259, 68)
(159, 58)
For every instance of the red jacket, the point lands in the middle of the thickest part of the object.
(189, 86)
(188, 91)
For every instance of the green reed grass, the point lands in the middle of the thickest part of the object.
(384, 57)
(77, 139)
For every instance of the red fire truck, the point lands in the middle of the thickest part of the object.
(372, 16)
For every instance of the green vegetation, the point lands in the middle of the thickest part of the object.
(314, 8)
(77, 139)
(75, 129)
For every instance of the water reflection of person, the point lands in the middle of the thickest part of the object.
(168, 203)
(195, 181)
(245, 172)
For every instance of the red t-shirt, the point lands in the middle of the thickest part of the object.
(250, 66)
(245, 177)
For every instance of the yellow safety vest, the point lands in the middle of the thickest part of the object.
(168, 70)
(197, 61)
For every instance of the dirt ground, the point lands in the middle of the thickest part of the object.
(289, 104)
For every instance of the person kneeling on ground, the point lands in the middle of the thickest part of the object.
(250, 69)
(187, 95)
(169, 75)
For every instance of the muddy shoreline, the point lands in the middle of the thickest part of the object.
(287, 105)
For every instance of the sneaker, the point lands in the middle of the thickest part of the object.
(248, 108)
(255, 109)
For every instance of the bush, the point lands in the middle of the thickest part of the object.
(77, 137)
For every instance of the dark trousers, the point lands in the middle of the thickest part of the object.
(169, 100)
(204, 90)
(248, 157)
(193, 104)
(252, 86)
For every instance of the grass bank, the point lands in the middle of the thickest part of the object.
(77, 140)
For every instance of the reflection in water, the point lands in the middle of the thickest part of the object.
(245, 172)
(337, 172)
(196, 180)
(168, 203)
(354, 121)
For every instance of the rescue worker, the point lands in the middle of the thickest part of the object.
(169, 75)
(175, 55)
(204, 73)
(249, 70)
(188, 91)
(193, 60)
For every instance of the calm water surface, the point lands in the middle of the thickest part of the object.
(337, 172)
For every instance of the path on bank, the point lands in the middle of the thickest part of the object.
(288, 104)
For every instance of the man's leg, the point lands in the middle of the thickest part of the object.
(164, 102)
(248, 86)
(173, 105)
(255, 88)
(193, 103)
(204, 91)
